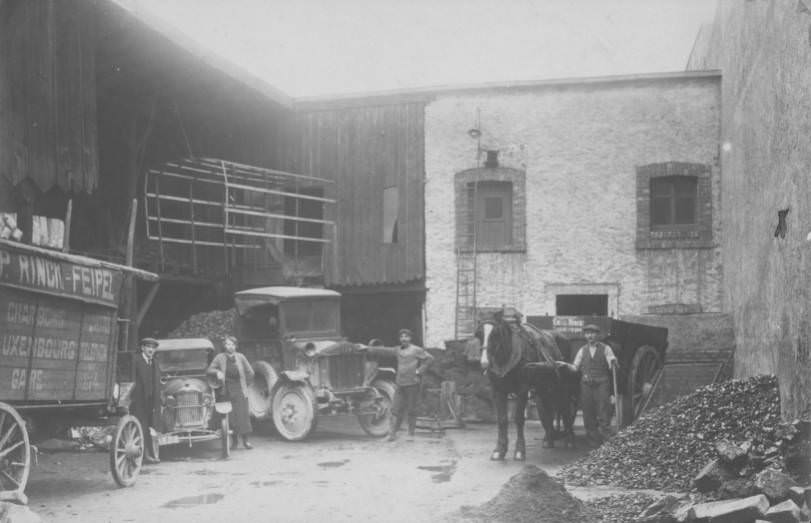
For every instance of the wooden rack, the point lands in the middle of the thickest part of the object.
(251, 214)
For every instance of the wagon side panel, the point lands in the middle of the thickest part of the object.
(18, 311)
(96, 353)
(54, 350)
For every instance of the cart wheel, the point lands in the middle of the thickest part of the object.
(294, 409)
(225, 437)
(377, 425)
(15, 453)
(645, 368)
(127, 451)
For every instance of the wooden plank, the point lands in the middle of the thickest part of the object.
(95, 352)
(18, 312)
(51, 372)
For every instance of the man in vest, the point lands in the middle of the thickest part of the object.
(595, 361)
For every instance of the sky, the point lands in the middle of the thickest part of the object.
(310, 48)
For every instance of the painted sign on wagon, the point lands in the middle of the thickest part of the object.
(32, 270)
(54, 349)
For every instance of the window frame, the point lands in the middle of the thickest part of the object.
(515, 215)
(697, 235)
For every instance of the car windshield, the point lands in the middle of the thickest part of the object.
(183, 360)
(311, 316)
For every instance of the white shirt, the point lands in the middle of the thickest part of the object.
(609, 355)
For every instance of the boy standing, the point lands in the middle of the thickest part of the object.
(411, 364)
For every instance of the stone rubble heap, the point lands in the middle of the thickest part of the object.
(214, 325)
(665, 448)
(618, 508)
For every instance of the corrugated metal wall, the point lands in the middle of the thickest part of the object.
(47, 94)
(366, 149)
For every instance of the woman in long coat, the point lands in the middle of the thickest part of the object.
(233, 368)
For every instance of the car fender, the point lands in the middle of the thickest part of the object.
(295, 375)
(386, 373)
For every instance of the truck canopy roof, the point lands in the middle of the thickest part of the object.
(283, 293)
(184, 344)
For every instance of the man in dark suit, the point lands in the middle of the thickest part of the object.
(146, 397)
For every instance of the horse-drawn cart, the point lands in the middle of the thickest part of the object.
(639, 348)
(59, 338)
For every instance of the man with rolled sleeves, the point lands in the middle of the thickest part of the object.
(146, 395)
(412, 361)
(595, 361)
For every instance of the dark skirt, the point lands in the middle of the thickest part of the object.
(239, 419)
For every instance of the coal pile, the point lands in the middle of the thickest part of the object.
(665, 448)
(214, 325)
(455, 364)
(529, 496)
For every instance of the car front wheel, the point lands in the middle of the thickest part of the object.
(293, 411)
(377, 424)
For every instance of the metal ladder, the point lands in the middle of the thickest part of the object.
(466, 276)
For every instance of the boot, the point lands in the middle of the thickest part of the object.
(412, 425)
(234, 441)
(246, 443)
(395, 424)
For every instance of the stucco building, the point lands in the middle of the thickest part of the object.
(590, 196)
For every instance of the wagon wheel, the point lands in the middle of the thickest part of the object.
(225, 437)
(15, 453)
(645, 367)
(127, 451)
(293, 412)
(377, 424)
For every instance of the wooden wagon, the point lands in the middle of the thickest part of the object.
(59, 339)
(639, 348)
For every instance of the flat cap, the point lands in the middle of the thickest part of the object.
(591, 328)
(152, 342)
(405, 331)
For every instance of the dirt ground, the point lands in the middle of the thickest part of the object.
(339, 474)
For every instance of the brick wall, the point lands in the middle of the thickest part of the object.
(579, 147)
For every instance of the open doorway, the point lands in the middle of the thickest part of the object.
(581, 305)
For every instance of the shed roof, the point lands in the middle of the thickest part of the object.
(289, 292)
(211, 59)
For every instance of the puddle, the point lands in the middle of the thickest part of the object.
(333, 464)
(193, 501)
(205, 472)
(265, 483)
(443, 473)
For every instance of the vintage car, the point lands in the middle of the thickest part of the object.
(190, 411)
(304, 367)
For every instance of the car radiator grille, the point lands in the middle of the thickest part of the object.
(346, 371)
(189, 411)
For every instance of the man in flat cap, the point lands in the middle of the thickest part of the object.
(412, 361)
(595, 361)
(146, 396)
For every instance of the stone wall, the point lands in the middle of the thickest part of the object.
(764, 51)
(579, 146)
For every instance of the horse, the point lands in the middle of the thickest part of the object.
(517, 360)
